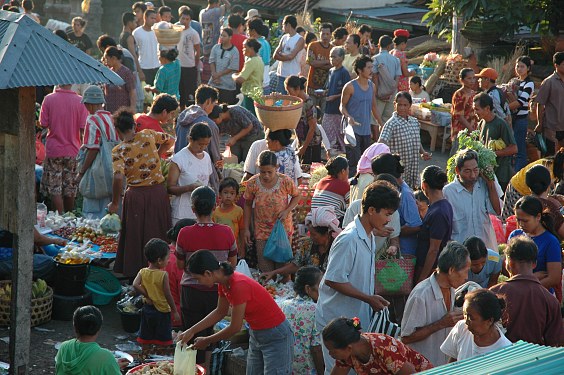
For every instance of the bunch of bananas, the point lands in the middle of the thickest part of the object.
(496, 144)
(38, 290)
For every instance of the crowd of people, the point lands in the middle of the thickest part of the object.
(184, 226)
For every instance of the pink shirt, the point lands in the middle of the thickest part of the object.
(64, 115)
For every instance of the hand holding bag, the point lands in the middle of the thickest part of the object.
(184, 360)
(381, 323)
(278, 248)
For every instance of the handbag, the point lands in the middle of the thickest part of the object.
(278, 247)
(380, 323)
(394, 277)
(97, 180)
(184, 360)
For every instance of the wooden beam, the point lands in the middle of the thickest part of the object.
(23, 146)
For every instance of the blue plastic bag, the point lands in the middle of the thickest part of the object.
(278, 248)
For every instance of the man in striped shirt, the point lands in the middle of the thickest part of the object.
(98, 124)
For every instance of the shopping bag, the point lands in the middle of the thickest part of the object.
(395, 276)
(243, 267)
(184, 360)
(278, 248)
(381, 323)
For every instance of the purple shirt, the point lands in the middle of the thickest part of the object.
(64, 115)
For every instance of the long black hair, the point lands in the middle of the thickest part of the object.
(533, 206)
(204, 260)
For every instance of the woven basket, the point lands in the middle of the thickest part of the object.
(395, 276)
(285, 116)
(41, 308)
(169, 37)
(452, 70)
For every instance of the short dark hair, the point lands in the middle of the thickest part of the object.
(309, 37)
(486, 303)
(284, 136)
(476, 247)
(253, 43)
(267, 158)
(463, 156)
(300, 29)
(387, 163)
(162, 102)
(61, 34)
(340, 33)
(335, 165)
(538, 179)
(389, 178)
(454, 255)
(360, 63)
(256, 25)
(155, 249)
(341, 332)
(141, 5)
(404, 94)
(200, 130)
(235, 20)
(416, 80)
(306, 276)
(204, 260)
(164, 9)
(558, 58)
(522, 249)
(484, 100)
(464, 72)
(127, 17)
(187, 12)
(385, 41)
(291, 20)
(237, 9)
(229, 182)
(123, 120)
(87, 320)
(105, 41)
(327, 25)
(380, 195)
(170, 54)
(420, 196)
(203, 200)
(113, 51)
(434, 176)
(27, 5)
(172, 234)
(228, 31)
(356, 39)
(148, 13)
(364, 29)
(205, 92)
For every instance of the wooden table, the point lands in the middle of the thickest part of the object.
(433, 130)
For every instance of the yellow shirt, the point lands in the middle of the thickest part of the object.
(518, 181)
(348, 63)
(253, 72)
(152, 280)
(232, 218)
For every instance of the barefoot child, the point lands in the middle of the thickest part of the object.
(152, 283)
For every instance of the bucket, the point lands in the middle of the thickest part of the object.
(103, 285)
(64, 306)
(70, 279)
(130, 322)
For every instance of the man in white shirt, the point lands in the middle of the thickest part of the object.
(148, 46)
(287, 51)
(189, 55)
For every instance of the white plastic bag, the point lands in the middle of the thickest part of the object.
(184, 360)
(350, 138)
(243, 267)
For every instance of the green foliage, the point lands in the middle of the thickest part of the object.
(506, 13)
(487, 160)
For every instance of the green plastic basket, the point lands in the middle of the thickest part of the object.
(103, 285)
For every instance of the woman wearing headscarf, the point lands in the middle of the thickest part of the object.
(364, 175)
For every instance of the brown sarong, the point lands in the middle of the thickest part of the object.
(146, 215)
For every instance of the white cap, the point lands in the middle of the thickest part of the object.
(252, 13)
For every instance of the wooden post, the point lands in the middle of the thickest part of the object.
(456, 46)
(18, 204)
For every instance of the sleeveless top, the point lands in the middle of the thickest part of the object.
(123, 40)
(291, 67)
(360, 107)
(152, 281)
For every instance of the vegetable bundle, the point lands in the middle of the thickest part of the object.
(487, 159)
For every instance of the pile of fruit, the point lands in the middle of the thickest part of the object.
(71, 254)
(109, 248)
(86, 233)
(154, 368)
(279, 291)
(38, 289)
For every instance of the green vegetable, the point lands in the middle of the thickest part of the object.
(487, 159)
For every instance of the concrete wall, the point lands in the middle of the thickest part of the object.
(355, 4)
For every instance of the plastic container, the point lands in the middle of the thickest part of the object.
(64, 306)
(41, 214)
(427, 72)
(130, 322)
(103, 285)
(70, 279)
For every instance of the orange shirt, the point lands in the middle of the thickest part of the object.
(317, 76)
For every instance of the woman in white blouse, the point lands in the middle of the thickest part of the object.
(479, 333)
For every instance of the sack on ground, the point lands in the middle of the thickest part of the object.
(278, 247)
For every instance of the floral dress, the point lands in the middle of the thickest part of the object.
(300, 312)
(388, 357)
(462, 104)
(403, 82)
(268, 203)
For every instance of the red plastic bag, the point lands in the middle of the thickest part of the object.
(510, 226)
(498, 228)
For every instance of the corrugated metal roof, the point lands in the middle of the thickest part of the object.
(404, 13)
(31, 55)
(286, 5)
(519, 359)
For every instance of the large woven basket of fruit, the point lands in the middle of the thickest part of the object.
(41, 302)
(277, 112)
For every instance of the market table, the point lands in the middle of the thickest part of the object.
(433, 130)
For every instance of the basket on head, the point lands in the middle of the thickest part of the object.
(103, 285)
(279, 111)
(169, 37)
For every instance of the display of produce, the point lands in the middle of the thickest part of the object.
(73, 254)
(486, 157)
(38, 290)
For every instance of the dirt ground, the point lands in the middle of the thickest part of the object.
(42, 352)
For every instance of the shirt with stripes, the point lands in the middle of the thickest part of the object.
(330, 191)
(524, 93)
(92, 133)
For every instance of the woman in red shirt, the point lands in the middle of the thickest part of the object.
(271, 344)
(369, 353)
